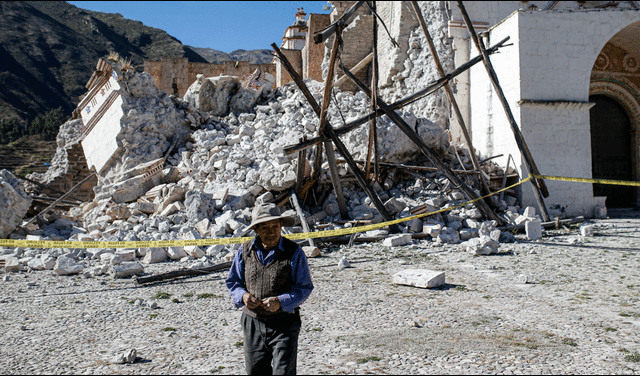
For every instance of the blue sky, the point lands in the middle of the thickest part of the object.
(222, 25)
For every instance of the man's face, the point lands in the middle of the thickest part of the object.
(269, 232)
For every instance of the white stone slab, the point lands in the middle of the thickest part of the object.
(533, 229)
(397, 240)
(419, 278)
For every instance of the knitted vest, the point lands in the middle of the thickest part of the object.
(267, 281)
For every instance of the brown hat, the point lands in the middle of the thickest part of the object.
(268, 212)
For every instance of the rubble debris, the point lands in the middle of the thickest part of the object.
(419, 278)
(14, 202)
(222, 164)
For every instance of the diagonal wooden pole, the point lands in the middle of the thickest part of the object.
(413, 136)
(323, 125)
(373, 132)
(452, 100)
(539, 187)
(341, 148)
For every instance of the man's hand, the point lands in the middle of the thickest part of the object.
(250, 301)
(271, 304)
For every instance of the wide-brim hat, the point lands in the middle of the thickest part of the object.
(268, 212)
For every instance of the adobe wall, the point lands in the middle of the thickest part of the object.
(175, 75)
(295, 59)
(312, 54)
(76, 171)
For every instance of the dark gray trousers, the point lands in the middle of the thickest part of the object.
(267, 341)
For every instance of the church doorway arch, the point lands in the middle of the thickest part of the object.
(615, 117)
(611, 150)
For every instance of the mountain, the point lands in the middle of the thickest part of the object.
(261, 56)
(49, 50)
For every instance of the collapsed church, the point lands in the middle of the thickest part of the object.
(570, 77)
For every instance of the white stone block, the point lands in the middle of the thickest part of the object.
(529, 212)
(311, 252)
(415, 225)
(587, 230)
(176, 253)
(397, 240)
(154, 255)
(419, 278)
(533, 229)
(431, 229)
(127, 254)
(127, 269)
(66, 266)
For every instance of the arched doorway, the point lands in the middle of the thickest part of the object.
(611, 150)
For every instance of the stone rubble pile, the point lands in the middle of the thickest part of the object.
(232, 157)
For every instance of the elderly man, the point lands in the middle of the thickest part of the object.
(269, 279)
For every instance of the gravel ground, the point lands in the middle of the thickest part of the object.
(578, 313)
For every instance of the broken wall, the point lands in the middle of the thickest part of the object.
(69, 165)
(174, 75)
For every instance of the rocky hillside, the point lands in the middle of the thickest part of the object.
(50, 49)
(261, 56)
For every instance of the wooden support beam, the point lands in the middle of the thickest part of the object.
(305, 226)
(413, 136)
(341, 148)
(342, 22)
(302, 161)
(373, 126)
(324, 124)
(356, 68)
(430, 88)
(454, 103)
(59, 200)
(539, 187)
(184, 273)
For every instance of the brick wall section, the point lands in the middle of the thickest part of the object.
(312, 54)
(76, 171)
(183, 73)
(295, 58)
(358, 43)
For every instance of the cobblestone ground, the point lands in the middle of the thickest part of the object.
(579, 313)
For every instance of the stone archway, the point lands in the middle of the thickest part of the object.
(625, 93)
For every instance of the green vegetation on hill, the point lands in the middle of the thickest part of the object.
(46, 124)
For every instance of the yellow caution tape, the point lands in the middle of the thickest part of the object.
(298, 236)
(584, 180)
(206, 242)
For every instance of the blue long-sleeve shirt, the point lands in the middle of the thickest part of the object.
(302, 285)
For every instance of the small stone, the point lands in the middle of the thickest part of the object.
(311, 252)
(12, 265)
(6, 278)
(153, 305)
(344, 263)
(523, 279)
(587, 230)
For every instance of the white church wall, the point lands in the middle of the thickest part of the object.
(548, 71)
(101, 141)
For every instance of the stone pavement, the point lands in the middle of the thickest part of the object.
(578, 313)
